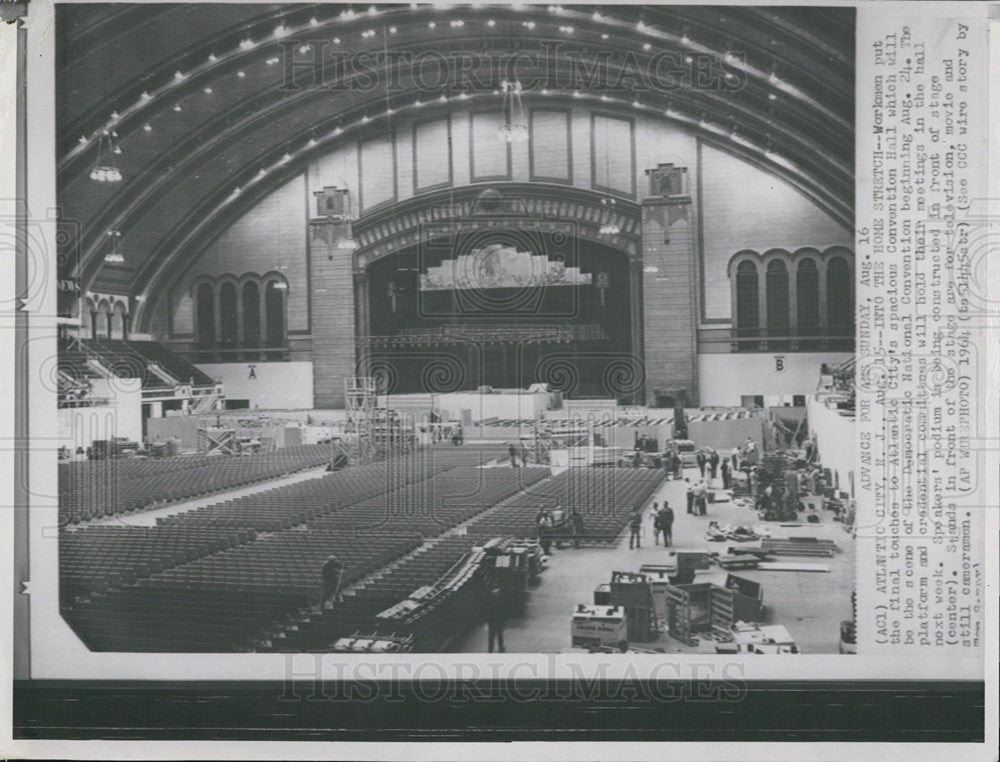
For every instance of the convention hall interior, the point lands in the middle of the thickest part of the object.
(456, 328)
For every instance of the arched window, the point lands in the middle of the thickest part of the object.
(205, 331)
(839, 305)
(807, 297)
(777, 298)
(228, 320)
(87, 319)
(747, 300)
(274, 306)
(116, 328)
(251, 316)
(102, 326)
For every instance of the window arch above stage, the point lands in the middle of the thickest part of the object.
(796, 301)
(777, 297)
(241, 318)
(807, 296)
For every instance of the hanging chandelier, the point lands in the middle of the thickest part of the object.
(115, 256)
(105, 170)
(514, 129)
(608, 227)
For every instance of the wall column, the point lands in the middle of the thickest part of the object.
(241, 336)
(361, 317)
(669, 297)
(636, 318)
(333, 314)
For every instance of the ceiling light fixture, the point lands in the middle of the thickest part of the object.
(241, 74)
(515, 128)
(105, 170)
(608, 226)
(114, 256)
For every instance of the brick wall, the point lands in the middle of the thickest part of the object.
(744, 207)
(332, 278)
(669, 301)
(271, 236)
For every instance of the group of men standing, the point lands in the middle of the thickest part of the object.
(663, 523)
(555, 525)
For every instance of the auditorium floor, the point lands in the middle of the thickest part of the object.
(809, 604)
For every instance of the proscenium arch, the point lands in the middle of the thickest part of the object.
(547, 207)
(573, 210)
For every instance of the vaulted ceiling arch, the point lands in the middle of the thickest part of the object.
(192, 128)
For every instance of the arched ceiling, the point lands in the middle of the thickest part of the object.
(194, 95)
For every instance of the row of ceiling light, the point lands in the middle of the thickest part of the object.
(282, 30)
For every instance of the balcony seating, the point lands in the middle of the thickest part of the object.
(172, 363)
(132, 359)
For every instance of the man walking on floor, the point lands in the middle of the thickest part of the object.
(635, 528)
(496, 613)
(667, 524)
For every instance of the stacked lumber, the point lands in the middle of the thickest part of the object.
(799, 546)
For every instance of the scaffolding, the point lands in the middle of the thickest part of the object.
(370, 430)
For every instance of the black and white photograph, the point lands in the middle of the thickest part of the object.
(421, 329)
(635, 342)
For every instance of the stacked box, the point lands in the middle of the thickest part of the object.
(598, 625)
